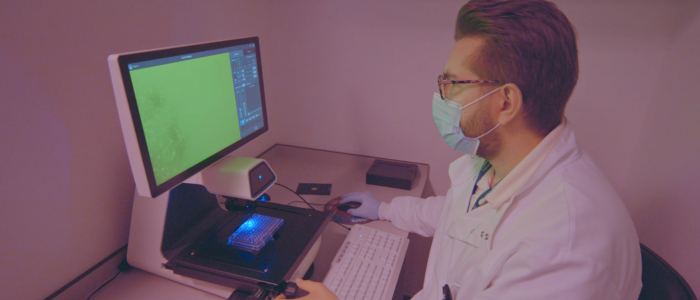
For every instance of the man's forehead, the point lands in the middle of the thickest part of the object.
(459, 69)
(459, 64)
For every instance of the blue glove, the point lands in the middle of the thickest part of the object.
(369, 208)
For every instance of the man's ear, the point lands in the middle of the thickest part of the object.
(510, 103)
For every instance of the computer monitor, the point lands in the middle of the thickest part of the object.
(183, 108)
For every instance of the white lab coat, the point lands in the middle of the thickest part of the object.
(564, 235)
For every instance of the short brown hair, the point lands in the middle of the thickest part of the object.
(530, 43)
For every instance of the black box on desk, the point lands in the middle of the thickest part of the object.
(392, 174)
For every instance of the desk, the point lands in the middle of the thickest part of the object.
(292, 165)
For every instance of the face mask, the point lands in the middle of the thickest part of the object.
(447, 115)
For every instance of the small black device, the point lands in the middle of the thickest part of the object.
(392, 174)
(314, 189)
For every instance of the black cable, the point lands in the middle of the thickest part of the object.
(297, 201)
(341, 225)
(295, 193)
(103, 285)
(307, 203)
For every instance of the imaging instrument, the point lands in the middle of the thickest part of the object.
(182, 111)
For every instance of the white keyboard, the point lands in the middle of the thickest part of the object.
(367, 265)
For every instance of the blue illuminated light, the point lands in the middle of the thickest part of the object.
(250, 224)
(259, 176)
(255, 232)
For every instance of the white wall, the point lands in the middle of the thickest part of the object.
(347, 76)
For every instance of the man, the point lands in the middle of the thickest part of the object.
(528, 214)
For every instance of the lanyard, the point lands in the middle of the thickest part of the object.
(485, 168)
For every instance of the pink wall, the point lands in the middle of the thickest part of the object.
(346, 76)
(371, 69)
(661, 183)
(66, 186)
(360, 77)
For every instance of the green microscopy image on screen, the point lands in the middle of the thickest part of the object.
(188, 112)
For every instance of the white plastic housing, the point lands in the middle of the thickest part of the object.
(230, 176)
(132, 144)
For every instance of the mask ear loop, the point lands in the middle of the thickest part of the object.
(492, 129)
(482, 97)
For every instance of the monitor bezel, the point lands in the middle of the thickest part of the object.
(126, 59)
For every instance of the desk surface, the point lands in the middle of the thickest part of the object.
(292, 165)
(346, 172)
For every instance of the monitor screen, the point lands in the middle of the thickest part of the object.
(184, 108)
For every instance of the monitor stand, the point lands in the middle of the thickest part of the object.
(177, 235)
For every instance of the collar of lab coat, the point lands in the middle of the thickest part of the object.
(558, 146)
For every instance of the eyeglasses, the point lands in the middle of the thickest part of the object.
(445, 85)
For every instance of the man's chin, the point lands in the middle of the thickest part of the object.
(488, 149)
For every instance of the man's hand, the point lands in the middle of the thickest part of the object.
(317, 291)
(369, 208)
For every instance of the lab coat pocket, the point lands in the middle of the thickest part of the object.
(465, 275)
(471, 229)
